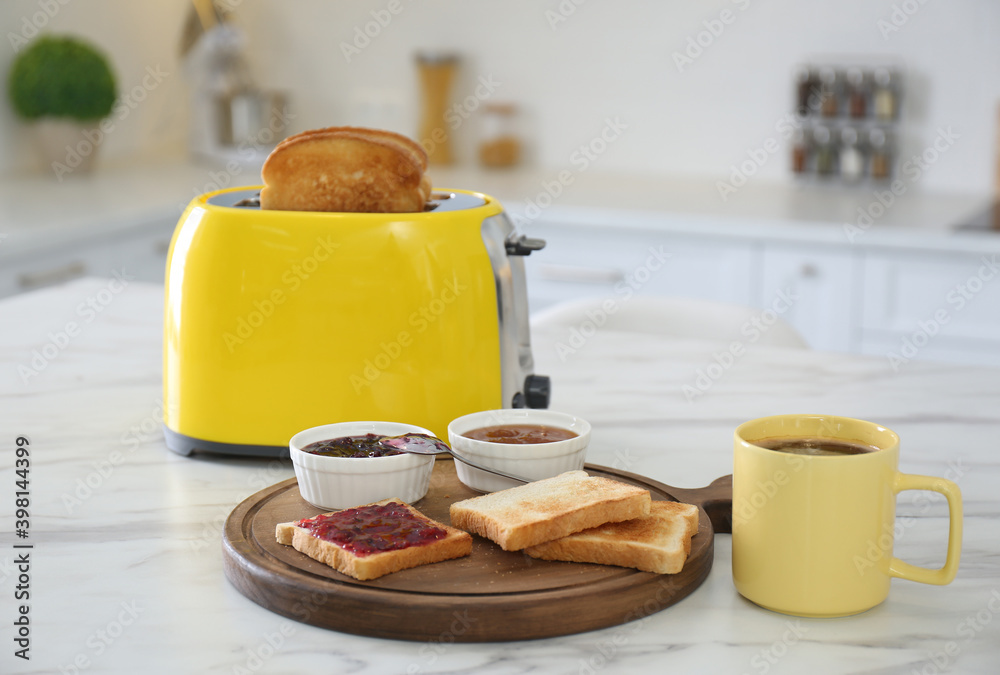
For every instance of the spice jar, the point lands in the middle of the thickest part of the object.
(881, 154)
(800, 151)
(852, 161)
(829, 96)
(857, 97)
(885, 101)
(805, 89)
(825, 159)
(500, 146)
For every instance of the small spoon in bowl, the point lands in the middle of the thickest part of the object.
(422, 444)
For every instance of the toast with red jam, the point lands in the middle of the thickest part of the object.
(370, 541)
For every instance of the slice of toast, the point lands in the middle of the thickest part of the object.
(407, 145)
(346, 169)
(363, 565)
(659, 542)
(549, 509)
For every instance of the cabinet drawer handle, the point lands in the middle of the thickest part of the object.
(30, 280)
(580, 275)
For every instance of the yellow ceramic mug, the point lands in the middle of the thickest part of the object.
(813, 535)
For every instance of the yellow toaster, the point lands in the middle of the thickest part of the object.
(277, 321)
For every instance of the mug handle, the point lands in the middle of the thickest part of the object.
(925, 575)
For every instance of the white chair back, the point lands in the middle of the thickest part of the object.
(678, 317)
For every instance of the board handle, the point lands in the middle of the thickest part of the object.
(716, 498)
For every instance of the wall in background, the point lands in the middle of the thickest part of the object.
(570, 66)
(141, 39)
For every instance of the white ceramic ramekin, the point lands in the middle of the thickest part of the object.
(531, 460)
(343, 482)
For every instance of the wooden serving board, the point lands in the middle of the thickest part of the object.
(490, 595)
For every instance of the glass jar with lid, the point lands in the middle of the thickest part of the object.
(800, 151)
(829, 92)
(500, 145)
(857, 94)
(852, 160)
(885, 98)
(826, 162)
(881, 154)
(805, 92)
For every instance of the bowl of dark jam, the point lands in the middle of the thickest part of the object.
(351, 446)
(528, 442)
(342, 465)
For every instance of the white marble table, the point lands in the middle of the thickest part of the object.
(126, 571)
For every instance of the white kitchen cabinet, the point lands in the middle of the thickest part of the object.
(814, 289)
(943, 306)
(878, 300)
(140, 252)
(615, 261)
(811, 287)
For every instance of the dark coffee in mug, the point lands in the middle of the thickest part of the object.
(815, 446)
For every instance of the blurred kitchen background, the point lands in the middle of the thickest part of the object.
(636, 126)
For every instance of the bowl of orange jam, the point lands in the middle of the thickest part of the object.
(527, 442)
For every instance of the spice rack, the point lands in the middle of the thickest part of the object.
(848, 122)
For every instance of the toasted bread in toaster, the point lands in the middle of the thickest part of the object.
(346, 169)
(659, 542)
(302, 536)
(549, 509)
(405, 144)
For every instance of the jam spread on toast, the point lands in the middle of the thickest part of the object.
(372, 529)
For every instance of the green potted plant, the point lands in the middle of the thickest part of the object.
(64, 87)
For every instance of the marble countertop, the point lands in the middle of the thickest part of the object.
(36, 210)
(126, 569)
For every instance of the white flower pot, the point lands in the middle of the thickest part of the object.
(67, 146)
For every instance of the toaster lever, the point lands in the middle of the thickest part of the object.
(523, 245)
